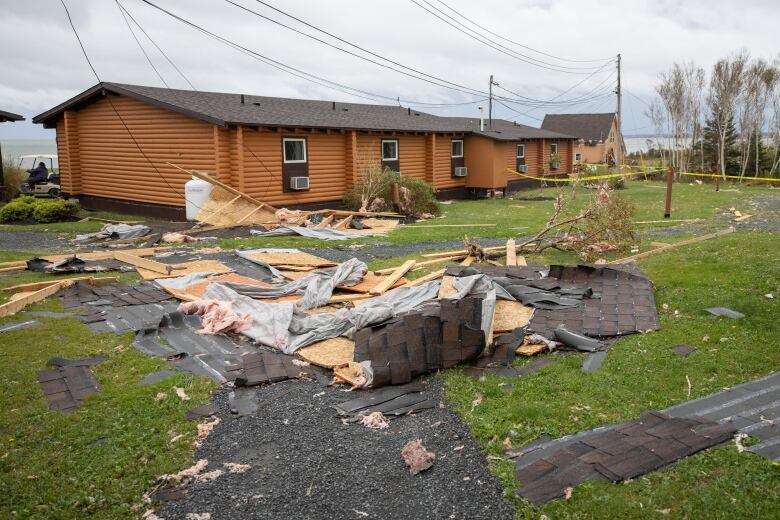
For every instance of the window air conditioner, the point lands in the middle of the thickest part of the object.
(461, 171)
(299, 183)
(522, 169)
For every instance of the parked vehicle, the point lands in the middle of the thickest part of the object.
(48, 188)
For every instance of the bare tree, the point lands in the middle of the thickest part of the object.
(725, 88)
(774, 101)
(680, 93)
(656, 114)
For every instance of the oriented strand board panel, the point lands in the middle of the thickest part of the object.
(219, 211)
(296, 258)
(379, 224)
(509, 315)
(197, 266)
(329, 353)
(196, 290)
(447, 287)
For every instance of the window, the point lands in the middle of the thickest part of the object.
(553, 148)
(457, 148)
(294, 150)
(578, 157)
(521, 151)
(611, 137)
(389, 149)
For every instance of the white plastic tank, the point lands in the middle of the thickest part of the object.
(196, 192)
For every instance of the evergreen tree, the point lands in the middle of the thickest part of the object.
(711, 141)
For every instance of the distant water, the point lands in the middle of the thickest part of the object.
(13, 148)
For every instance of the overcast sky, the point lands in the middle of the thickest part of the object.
(41, 64)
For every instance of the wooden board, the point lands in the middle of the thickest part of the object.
(301, 268)
(343, 223)
(297, 258)
(197, 266)
(294, 275)
(195, 291)
(424, 279)
(12, 307)
(392, 278)
(511, 252)
(145, 263)
(325, 222)
(104, 255)
(218, 210)
(379, 224)
(531, 349)
(521, 261)
(370, 280)
(447, 288)
(510, 315)
(351, 373)
(329, 353)
(341, 298)
(418, 265)
(35, 286)
(14, 268)
(673, 246)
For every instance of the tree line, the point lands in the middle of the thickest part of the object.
(716, 122)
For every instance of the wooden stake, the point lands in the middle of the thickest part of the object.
(145, 263)
(388, 282)
(511, 252)
(673, 246)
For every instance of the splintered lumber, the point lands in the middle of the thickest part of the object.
(701, 238)
(17, 263)
(743, 217)
(291, 258)
(36, 286)
(460, 252)
(343, 223)
(419, 265)
(369, 281)
(184, 268)
(424, 279)
(229, 189)
(509, 315)
(468, 261)
(149, 265)
(531, 349)
(325, 222)
(392, 278)
(521, 261)
(344, 213)
(341, 298)
(13, 268)
(103, 255)
(511, 252)
(452, 225)
(24, 298)
(447, 287)
(226, 205)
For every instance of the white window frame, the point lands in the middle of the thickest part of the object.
(382, 149)
(461, 149)
(285, 140)
(553, 148)
(517, 152)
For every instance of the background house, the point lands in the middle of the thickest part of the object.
(596, 133)
(114, 141)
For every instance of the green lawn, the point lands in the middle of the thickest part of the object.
(50, 466)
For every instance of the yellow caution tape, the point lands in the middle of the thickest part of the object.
(632, 174)
(769, 179)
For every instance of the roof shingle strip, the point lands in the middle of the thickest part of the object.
(590, 127)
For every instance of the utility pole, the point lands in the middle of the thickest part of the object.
(490, 103)
(619, 136)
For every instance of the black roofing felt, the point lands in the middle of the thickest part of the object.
(9, 117)
(238, 109)
(590, 127)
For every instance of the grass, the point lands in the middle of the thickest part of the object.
(641, 373)
(51, 467)
(75, 227)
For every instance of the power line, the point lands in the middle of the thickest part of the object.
(130, 27)
(156, 46)
(571, 101)
(518, 43)
(497, 46)
(132, 137)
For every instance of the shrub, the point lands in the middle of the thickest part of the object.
(27, 199)
(15, 211)
(54, 210)
(13, 178)
(374, 192)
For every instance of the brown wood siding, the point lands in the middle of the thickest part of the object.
(223, 140)
(443, 174)
(411, 152)
(531, 159)
(326, 156)
(66, 179)
(110, 164)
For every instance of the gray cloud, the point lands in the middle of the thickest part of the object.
(42, 64)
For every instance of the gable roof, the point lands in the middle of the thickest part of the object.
(225, 109)
(590, 127)
(503, 130)
(9, 117)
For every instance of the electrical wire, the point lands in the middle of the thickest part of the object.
(482, 27)
(132, 137)
(498, 47)
(146, 55)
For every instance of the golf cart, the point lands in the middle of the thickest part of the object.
(48, 188)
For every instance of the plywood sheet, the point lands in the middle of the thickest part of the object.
(370, 280)
(329, 353)
(351, 373)
(379, 224)
(509, 315)
(298, 258)
(215, 212)
(197, 266)
(196, 290)
(447, 287)
(531, 349)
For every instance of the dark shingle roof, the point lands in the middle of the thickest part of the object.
(227, 109)
(9, 116)
(590, 127)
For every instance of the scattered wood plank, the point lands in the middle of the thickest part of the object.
(329, 353)
(103, 255)
(420, 265)
(452, 225)
(468, 261)
(12, 307)
(509, 315)
(110, 221)
(17, 263)
(701, 238)
(743, 217)
(424, 279)
(521, 261)
(149, 265)
(530, 350)
(344, 223)
(325, 222)
(369, 281)
(344, 213)
(229, 189)
(15, 268)
(245, 217)
(511, 252)
(226, 206)
(36, 286)
(392, 278)
(341, 298)
(196, 266)
(659, 244)
(667, 220)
